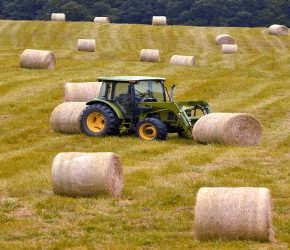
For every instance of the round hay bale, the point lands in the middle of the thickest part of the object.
(233, 214)
(87, 174)
(60, 17)
(81, 92)
(229, 48)
(65, 118)
(224, 39)
(159, 20)
(227, 128)
(102, 19)
(182, 60)
(37, 59)
(278, 30)
(150, 55)
(88, 45)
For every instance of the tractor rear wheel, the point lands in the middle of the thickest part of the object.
(99, 120)
(151, 129)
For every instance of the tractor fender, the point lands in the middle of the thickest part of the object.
(109, 104)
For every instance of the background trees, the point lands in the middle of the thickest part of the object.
(187, 12)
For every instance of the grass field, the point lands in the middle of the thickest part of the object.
(161, 178)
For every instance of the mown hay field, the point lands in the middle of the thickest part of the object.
(156, 209)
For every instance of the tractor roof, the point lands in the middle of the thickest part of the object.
(129, 78)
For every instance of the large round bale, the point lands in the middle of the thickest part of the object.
(224, 39)
(37, 59)
(150, 55)
(229, 48)
(278, 30)
(233, 214)
(227, 128)
(159, 20)
(86, 174)
(65, 118)
(81, 92)
(88, 45)
(182, 60)
(102, 19)
(60, 17)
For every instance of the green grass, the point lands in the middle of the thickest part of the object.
(161, 178)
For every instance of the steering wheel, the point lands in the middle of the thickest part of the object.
(148, 99)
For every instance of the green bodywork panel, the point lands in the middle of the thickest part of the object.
(127, 79)
(110, 104)
(180, 119)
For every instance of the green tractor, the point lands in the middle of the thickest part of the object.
(140, 105)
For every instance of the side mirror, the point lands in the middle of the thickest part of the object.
(172, 92)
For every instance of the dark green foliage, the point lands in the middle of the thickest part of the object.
(188, 12)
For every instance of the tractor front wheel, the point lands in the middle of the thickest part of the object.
(151, 129)
(98, 120)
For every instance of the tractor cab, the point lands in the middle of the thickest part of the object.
(127, 91)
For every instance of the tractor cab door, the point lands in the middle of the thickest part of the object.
(123, 97)
(119, 93)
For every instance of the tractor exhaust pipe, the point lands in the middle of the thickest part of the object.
(171, 92)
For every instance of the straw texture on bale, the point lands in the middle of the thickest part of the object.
(58, 17)
(233, 214)
(224, 39)
(278, 30)
(159, 20)
(65, 118)
(150, 55)
(227, 128)
(86, 174)
(182, 60)
(229, 48)
(88, 45)
(81, 92)
(102, 19)
(37, 59)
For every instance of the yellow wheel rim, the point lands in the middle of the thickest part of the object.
(147, 131)
(96, 122)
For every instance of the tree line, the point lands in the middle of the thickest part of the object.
(184, 12)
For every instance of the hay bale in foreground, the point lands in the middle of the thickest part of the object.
(229, 48)
(81, 92)
(224, 39)
(88, 45)
(278, 30)
(87, 174)
(150, 55)
(37, 59)
(102, 19)
(227, 128)
(182, 60)
(233, 214)
(65, 118)
(159, 20)
(60, 17)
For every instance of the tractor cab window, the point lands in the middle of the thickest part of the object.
(106, 91)
(149, 89)
(113, 90)
(122, 89)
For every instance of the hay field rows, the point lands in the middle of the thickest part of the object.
(161, 178)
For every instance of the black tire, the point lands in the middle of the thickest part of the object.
(110, 121)
(151, 129)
